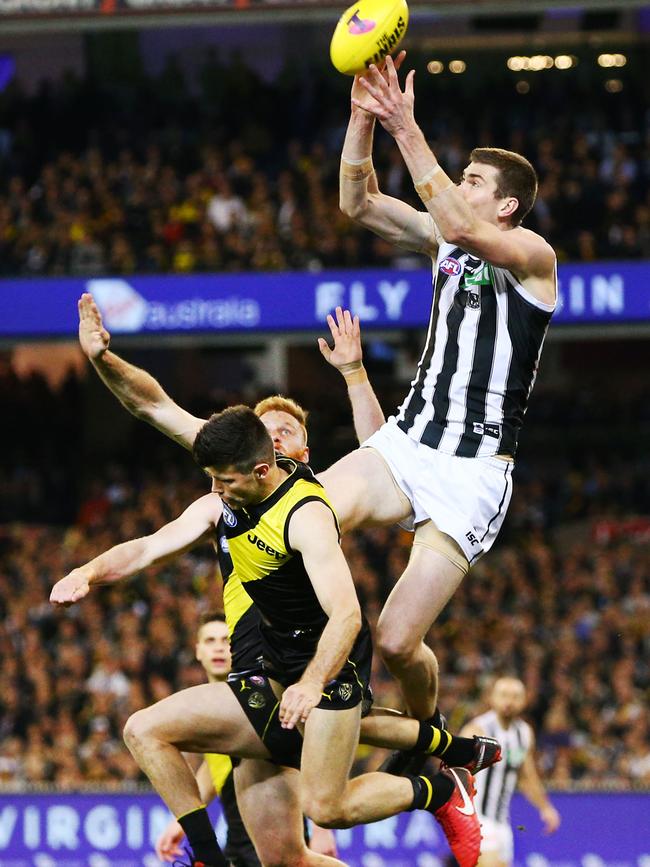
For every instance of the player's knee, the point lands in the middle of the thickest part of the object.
(327, 814)
(137, 729)
(396, 647)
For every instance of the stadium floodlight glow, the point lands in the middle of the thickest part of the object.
(435, 67)
(540, 61)
(516, 64)
(457, 66)
(613, 85)
(609, 60)
(564, 61)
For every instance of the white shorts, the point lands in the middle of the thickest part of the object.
(497, 839)
(466, 498)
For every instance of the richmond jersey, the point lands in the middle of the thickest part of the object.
(480, 360)
(274, 576)
(495, 787)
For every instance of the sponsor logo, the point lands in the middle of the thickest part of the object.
(488, 429)
(471, 538)
(357, 26)
(257, 679)
(451, 266)
(473, 301)
(259, 543)
(124, 310)
(223, 544)
(256, 700)
(345, 691)
(468, 807)
(386, 42)
(228, 516)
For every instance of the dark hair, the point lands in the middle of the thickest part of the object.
(211, 617)
(233, 438)
(516, 178)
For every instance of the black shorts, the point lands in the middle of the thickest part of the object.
(286, 660)
(261, 706)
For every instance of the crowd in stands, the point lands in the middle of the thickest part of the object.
(563, 601)
(241, 174)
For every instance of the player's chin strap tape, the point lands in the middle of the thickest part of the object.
(356, 170)
(432, 184)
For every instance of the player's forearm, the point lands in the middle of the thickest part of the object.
(117, 563)
(367, 414)
(146, 399)
(358, 180)
(441, 197)
(334, 647)
(533, 790)
(136, 389)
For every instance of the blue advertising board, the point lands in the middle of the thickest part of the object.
(295, 301)
(112, 830)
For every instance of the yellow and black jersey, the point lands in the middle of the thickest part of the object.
(239, 851)
(274, 575)
(242, 617)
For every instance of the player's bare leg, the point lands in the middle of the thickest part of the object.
(363, 491)
(269, 803)
(428, 583)
(205, 718)
(328, 796)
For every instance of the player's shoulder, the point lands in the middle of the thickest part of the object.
(537, 245)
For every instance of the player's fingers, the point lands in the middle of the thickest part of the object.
(399, 60)
(393, 81)
(324, 348)
(371, 88)
(356, 327)
(409, 83)
(348, 321)
(340, 319)
(333, 325)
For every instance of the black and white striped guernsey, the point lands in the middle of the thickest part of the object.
(480, 360)
(496, 785)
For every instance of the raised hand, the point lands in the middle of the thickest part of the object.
(361, 98)
(93, 337)
(392, 107)
(346, 334)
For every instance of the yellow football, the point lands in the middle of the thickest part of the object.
(367, 32)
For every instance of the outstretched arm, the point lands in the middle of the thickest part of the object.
(189, 529)
(347, 358)
(136, 389)
(519, 250)
(359, 194)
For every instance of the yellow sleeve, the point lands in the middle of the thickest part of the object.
(220, 769)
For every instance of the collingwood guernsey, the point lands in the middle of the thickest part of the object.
(495, 787)
(480, 360)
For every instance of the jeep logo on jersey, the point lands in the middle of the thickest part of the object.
(228, 516)
(259, 543)
(451, 266)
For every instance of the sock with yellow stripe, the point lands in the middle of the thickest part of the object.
(201, 837)
(440, 743)
(430, 793)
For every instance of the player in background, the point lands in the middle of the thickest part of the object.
(494, 789)
(215, 773)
